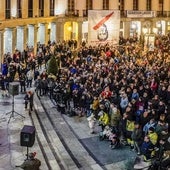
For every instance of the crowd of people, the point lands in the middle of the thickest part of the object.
(125, 88)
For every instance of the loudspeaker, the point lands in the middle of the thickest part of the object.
(27, 136)
(14, 88)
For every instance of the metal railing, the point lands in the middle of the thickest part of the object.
(72, 13)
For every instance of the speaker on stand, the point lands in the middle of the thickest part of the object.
(13, 90)
(27, 137)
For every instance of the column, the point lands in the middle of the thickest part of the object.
(36, 9)
(113, 4)
(60, 31)
(46, 8)
(1, 46)
(79, 33)
(47, 33)
(126, 29)
(155, 5)
(14, 39)
(24, 8)
(2, 10)
(166, 6)
(97, 4)
(36, 27)
(128, 4)
(25, 29)
(142, 5)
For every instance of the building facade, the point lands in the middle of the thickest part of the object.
(26, 22)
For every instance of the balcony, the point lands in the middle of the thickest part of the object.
(72, 13)
(163, 14)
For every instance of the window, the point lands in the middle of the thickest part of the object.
(52, 4)
(89, 4)
(105, 4)
(121, 5)
(135, 4)
(19, 9)
(71, 5)
(148, 5)
(41, 8)
(30, 8)
(161, 5)
(7, 9)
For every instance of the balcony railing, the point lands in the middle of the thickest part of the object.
(72, 13)
(163, 14)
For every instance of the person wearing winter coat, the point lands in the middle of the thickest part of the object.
(151, 123)
(137, 137)
(103, 119)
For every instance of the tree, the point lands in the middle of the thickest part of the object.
(52, 66)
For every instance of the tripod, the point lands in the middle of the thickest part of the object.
(13, 111)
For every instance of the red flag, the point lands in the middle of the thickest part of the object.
(100, 23)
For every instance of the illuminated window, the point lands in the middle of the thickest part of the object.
(30, 8)
(89, 4)
(19, 9)
(135, 4)
(41, 8)
(7, 9)
(105, 4)
(148, 5)
(52, 4)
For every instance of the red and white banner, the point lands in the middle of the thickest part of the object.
(103, 27)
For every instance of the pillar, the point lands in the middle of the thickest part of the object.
(60, 31)
(113, 4)
(1, 46)
(46, 8)
(47, 33)
(142, 5)
(25, 29)
(2, 10)
(155, 5)
(128, 4)
(35, 38)
(79, 33)
(24, 8)
(97, 4)
(14, 39)
(126, 29)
